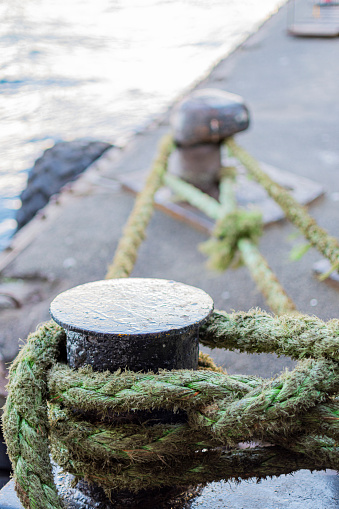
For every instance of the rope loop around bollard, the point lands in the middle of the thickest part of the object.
(298, 412)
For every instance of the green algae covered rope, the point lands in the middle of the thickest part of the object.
(193, 195)
(232, 225)
(221, 406)
(258, 463)
(25, 420)
(236, 232)
(327, 245)
(221, 410)
(133, 443)
(223, 246)
(265, 279)
(134, 231)
(297, 337)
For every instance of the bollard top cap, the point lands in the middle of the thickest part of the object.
(208, 116)
(131, 307)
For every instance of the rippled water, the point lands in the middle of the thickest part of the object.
(101, 69)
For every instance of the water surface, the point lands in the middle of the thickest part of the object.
(101, 70)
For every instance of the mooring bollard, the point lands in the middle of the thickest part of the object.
(137, 324)
(200, 122)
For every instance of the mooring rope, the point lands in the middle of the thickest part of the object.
(327, 245)
(25, 422)
(298, 410)
(258, 332)
(48, 403)
(134, 231)
(265, 279)
(235, 233)
(193, 195)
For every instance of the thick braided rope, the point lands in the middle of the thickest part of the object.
(223, 246)
(134, 231)
(258, 332)
(233, 224)
(193, 195)
(128, 443)
(32, 471)
(217, 404)
(38, 490)
(233, 408)
(272, 411)
(25, 421)
(258, 463)
(297, 214)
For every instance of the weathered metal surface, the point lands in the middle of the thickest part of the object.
(199, 165)
(208, 116)
(200, 122)
(131, 307)
(135, 323)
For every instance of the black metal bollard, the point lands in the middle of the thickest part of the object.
(138, 324)
(200, 122)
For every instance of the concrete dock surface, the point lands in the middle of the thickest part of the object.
(291, 86)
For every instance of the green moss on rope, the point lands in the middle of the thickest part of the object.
(221, 410)
(222, 248)
(257, 463)
(229, 408)
(298, 215)
(132, 443)
(234, 237)
(25, 421)
(125, 443)
(134, 231)
(265, 279)
(259, 332)
(193, 195)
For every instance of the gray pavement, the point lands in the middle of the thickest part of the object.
(291, 88)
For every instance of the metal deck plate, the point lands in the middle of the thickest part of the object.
(249, 195)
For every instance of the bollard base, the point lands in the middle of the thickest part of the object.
(199, 165)
(300, 490)
(165, 498)
(87, 496)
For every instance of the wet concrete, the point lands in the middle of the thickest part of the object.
(303, 490)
